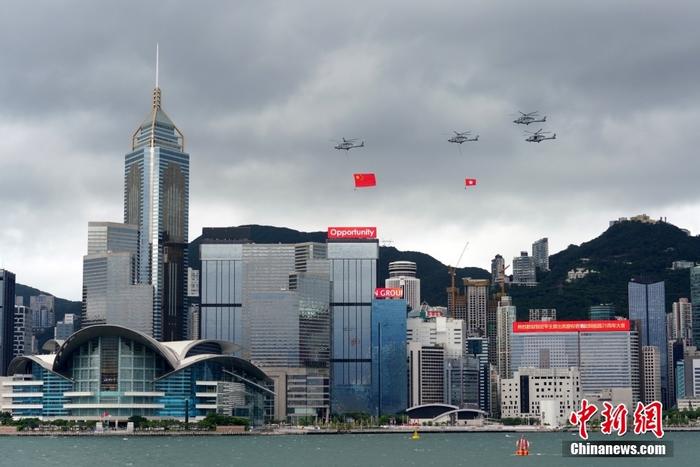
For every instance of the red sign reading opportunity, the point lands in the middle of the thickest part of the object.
(352, 232)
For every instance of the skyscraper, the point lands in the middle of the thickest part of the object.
(476, 292)
(647, 306)
(110, 295)
(426, 366)
(65, 328)
(651, 374)
(524, 270)
(7, 318)
(695, 300)
(221, 279)
(505, 317)
(680, 321)
(447, 333)
(498, 265)
(156, 199)
(389, 371)
(354, 278)
(477, 348)
(43, 312)
(23, 338)
(273, 300)
(540, 252)
(402, 274)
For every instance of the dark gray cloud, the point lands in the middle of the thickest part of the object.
(259, 88)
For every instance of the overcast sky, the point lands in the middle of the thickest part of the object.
(261, 88)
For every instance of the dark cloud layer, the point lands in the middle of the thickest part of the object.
(259, 88)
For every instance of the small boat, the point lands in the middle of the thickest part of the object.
(415, 435)
(522, 447)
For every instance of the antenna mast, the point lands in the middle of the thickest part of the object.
(157, 63)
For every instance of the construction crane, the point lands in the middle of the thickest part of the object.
(502, 279)
(452, 270)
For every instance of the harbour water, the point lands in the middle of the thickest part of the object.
(433, 449)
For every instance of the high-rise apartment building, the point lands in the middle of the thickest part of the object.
(540, 253)
(43, 311)
(505, 317)
(156, 199)
(542, 314)
(456, 303)
(7, 319)
(498, 265)
(647, 307)
(679, 322)
(492, 328)
(476, 292)
(651, 373)
(353, 268)
(24, 337)
(110, 292)
(402, 274)
(524, 270)
(695, 299)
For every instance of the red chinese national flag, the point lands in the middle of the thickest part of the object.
(365, 180)
(470, 182)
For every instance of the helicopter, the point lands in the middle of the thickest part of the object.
(461, 137)
(527, 118)
(348, 144)
(538, 136)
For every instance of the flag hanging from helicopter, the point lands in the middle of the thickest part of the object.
(365, 180)
(469, 182)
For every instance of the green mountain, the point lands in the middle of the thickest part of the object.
(433, 274)
(61, 308)
(624, 251)
(61, 305)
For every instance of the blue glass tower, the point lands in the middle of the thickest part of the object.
(7, 318)
(354, 277)
(647, 306)
(389, 368)
(156, 199)
(478, 349)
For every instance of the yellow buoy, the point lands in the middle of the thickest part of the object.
(415, 435)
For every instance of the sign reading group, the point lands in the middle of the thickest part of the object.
(390, 292)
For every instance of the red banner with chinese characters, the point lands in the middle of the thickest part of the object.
(572, 326)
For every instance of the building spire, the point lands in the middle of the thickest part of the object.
(156, 90)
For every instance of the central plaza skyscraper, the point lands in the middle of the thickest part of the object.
(156, 199)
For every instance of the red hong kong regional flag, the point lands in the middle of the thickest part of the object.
(365, 180)
(469, 182)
